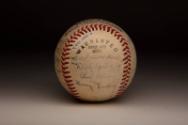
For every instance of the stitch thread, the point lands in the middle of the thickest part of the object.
(89, 28)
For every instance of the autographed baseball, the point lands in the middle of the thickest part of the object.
(95, 60)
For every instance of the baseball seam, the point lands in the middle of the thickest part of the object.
(82, 31)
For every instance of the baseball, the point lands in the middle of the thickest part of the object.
(95, 60)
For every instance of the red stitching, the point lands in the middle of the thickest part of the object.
(64, 68)
(73, 37)
(93, 27)
(126, 71)
(65, 49)
(123, 83)
(116, 33)
(65, 53)
(72, 87)
(83, 29)
(126, 52)
(126, 48)
(67, 76)
(68, 81)
(125, 75)
(112, 31)
(79, 31)
(68, 45)
(125, 44)
(74, 91)
(122, 40)
(124, 79)
(88, 28)
(120, 92)
(104, 27)
(100, 26)
(108, 28)
(127, 66)
(127, 61)
(127, 57)
(66, 72)
(64, 63)
(122, 87)
(71, 41)
(65, 58)
(77, 34)
(119, 36)
(70, 84)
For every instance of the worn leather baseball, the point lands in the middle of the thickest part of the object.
(95, 60)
